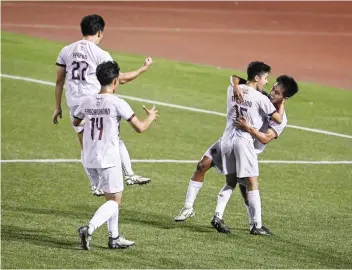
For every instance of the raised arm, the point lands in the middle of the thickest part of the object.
(264, 138)
(129, 76)
(60, 81)
(237, 92)
(142, 125)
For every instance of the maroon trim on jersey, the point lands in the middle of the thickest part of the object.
(270, 114)
(277, 135)
(129, 119)
(77, 118)
(60, 65)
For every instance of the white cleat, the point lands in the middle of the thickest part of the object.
(136, 180)
(97, 191)
(184, 214)
(119, 242)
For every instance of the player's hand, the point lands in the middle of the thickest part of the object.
(57, 113)
(148, 62)
(238, 94)
(242, 123)
(153, 113)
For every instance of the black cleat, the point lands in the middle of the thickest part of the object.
(267, 230)
(260, 231)
(219, 225)
(119, 242)
(85, 237)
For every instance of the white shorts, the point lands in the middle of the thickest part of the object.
(78, 129)
(214, 153)
(239, 157)
(110, 180)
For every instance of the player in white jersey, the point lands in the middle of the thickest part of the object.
(284, 88)
(238, 154)
(76, 66)
(101, 114)
(212, 157)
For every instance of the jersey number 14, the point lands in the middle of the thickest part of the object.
(98, 124)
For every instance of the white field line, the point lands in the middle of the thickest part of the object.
(178, 106)
(187, 30)
(175, 10)
(320, 162)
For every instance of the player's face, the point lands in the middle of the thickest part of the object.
(262, 81)
(276, 94)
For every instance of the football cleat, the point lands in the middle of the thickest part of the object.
(260, 231)
(85, 237)
(97, 191)
(219, 225)
(119, 242)
(184, 214)
(136, 180)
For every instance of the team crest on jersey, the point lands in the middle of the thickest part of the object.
(99, 101)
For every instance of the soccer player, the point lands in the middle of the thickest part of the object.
(76, 66)
(102, 113)
(284, 88)
(239, 157)
(212, 157)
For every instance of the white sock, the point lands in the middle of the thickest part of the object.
(125, 159)
(113, 224)
(250, 217)
(103, 214)
(255, 207)
(192, 191)
(85, 169)
(223, 198)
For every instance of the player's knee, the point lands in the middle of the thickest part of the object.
(201, 166)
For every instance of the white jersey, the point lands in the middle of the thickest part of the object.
(254, 108)
(81, 59)
(269, 123)
(102, 114)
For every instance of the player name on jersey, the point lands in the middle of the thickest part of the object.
(102, 111)
(79, 55)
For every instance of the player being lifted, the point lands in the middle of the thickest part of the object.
(102, 113)
(283, 89)
(76, 66)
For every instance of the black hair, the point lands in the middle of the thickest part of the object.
(257, 69)
(107, 72)
(92, 24)
(288, 84)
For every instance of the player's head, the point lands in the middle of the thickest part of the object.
(284, 88)
(108, 75)
(93, 25)
(258, 73)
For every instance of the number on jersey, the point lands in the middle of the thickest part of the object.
(98, 124)
(79, 71)
(240, 111)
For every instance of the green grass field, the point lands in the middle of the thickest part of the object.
(308, 207)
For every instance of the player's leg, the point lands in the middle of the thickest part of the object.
(222, 200)
(79, 132)
(212, 157)
(244, 193)
(130, 177)
(255, 208)
(111, 181)
(247, 167)
(229, 169)
(195, 184)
